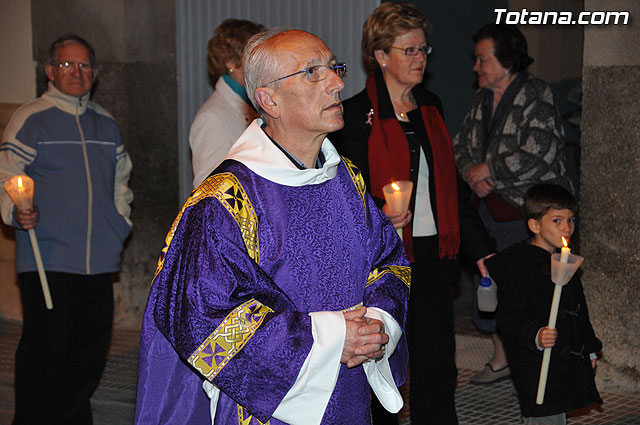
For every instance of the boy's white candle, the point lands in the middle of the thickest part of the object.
(20, 190)
(546, 356)
(564, 252)
(565, 271)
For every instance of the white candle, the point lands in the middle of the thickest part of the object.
(20, 190)
(564, 252)
(561, 272)
(397, 195)
(546, 356)
(40, 266)
(395, 198)
(395, 202)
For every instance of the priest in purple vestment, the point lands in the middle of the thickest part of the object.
(280, 296)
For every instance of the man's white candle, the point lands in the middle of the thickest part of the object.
(20, 190)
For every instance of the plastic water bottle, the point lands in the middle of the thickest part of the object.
(487, 295)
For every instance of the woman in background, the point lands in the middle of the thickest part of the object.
(228, 112)
(394, 130)
(511, 139)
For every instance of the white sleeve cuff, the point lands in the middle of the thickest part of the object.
(379, 372)
(307, 399)
(540, 347)
(7, 207)
(213, 393)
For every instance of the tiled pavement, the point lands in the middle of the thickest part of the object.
(114, 400)
(495, 404)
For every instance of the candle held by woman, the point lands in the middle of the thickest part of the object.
(398, 194)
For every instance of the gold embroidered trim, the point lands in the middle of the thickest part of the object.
(228, 339)
(232, 195)
(229, 191)
(244, 418)
(358, 180)
(401, 272)
(355, 307)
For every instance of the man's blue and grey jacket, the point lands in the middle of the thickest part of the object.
(72, 150)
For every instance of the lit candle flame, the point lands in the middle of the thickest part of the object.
(564, 241)
(20, 182)
(395, 186)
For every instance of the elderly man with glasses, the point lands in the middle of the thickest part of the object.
(71, 148)
(282, 289)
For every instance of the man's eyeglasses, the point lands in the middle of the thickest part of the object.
(68, 66)
(412, 51)
(319, 72)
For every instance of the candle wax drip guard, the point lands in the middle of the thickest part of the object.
(561, 273)
(398, 200)
(21, 195)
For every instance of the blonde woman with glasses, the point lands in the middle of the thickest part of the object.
(394, 130)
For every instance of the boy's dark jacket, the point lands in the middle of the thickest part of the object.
(525, 290)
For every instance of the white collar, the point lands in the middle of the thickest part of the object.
(255, 150)
(232, 98)
(65, 102)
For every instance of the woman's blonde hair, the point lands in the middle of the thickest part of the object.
(388, 21)
(227, 44)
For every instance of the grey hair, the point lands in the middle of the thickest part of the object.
(259, 64)
(67, 40)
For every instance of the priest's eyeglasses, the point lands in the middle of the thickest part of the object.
(412, 51)
(68, 66)
(319, 72)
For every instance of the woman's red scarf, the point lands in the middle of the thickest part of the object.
(389, 161)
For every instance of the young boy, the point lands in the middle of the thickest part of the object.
(525, 290)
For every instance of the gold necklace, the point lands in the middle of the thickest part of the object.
(402, 116)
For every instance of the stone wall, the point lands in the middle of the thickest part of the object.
(17, 84)
(610, 198)
(553, 46)
(10, 305)
(135, 46)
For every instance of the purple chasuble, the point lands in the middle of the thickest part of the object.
(244, 263)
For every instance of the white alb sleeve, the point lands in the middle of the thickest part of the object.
(378, 371)
(307, 399)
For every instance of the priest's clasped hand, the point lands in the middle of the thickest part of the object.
(364, 340)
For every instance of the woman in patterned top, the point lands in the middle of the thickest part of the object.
(511, 139)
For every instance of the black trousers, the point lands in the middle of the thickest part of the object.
(62, 352)
(380, 415)
(432, 368)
